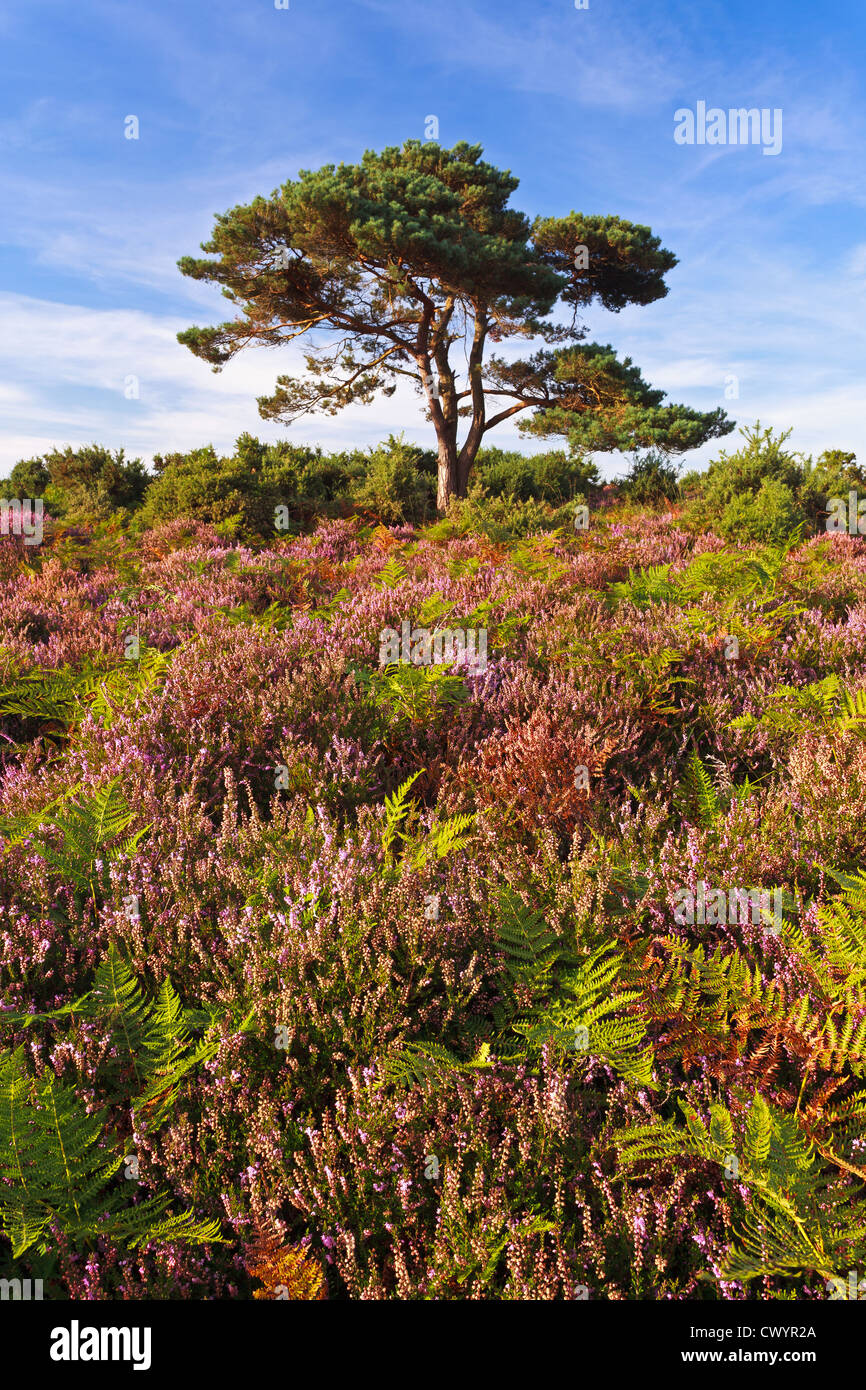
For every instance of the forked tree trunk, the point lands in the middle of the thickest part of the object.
(472, 443)
(454, 464)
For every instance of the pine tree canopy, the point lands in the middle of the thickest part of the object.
(412, 264)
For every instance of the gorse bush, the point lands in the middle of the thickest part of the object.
(501, 518)
(764, 492)
(264, 491)
(394, 482)
(833, 475)
(397, 482)
(762, 457)
(651, 478)
(241, 495)
(554, 476)
(78, 485)
(771, 513)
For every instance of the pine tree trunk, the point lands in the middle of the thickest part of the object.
(465, 461)
(448, 482)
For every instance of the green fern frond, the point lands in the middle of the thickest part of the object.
(443, 838)
(854, 715)
(391, 575)
(108, 812)
(57, 1164)
(118, 1002)
(699, 793)
(434, 608)
(420, 1062)
(447, 836)
(87, 826)
(824, 704)
(153, 1047)
(406, 693)
(588, 1016)
(15, 830)
(396, 810)
(50, 695)
(644, 587)
(793, 1222)
(759, 1133)
(531, 948)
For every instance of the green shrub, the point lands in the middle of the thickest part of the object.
(503, 519)
(239, 495)
(743, 473)
(29, 478)
(763, 491)
(554, 476)
(394, 480)
(89, 484)
(203, 487)
(651, 478)
(834, 475)
(296, 475)
(771, 514)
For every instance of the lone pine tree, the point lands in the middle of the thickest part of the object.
(411, 259)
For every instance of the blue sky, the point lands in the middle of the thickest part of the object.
(233, 97)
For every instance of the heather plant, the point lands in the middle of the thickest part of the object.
(378, 969)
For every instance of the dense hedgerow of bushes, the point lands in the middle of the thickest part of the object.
(81, 485)
(242, 494)
(555, 476)
(760, 492)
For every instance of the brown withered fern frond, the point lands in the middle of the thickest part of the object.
(715, 1014)
(285, 1271)
(531, 767)
(719, 1017)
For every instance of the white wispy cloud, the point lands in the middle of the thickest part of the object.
(73, 364)
(757, 294)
